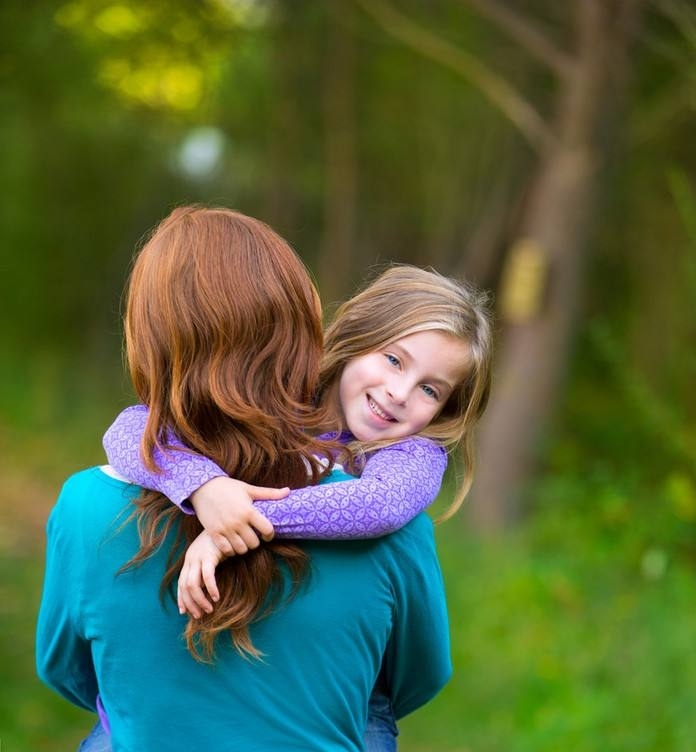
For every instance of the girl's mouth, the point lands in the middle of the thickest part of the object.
(377, 410)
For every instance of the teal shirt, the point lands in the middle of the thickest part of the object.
(99, 631)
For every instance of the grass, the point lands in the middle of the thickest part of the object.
(554, 650)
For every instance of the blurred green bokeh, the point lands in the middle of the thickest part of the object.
(573, 627)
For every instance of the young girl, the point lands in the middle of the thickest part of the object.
(406, 376)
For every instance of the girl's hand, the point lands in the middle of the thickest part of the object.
(200, 561)
(225, 508)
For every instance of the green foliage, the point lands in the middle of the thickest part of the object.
(161, 56)
(573, 632)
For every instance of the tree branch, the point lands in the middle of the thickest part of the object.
(526, 33)
(674, 103)
(495, 88)
(681, 15)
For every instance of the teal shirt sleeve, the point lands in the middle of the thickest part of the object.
(417, 662)
(63, 653)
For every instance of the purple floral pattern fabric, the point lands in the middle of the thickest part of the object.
(396, 483)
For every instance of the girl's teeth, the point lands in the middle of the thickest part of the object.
(375, 407)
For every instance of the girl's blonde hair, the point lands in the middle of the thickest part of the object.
(404, 300)
(223, 340)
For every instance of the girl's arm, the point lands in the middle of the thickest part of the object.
(396, 484)
(233, 522)
(181, 472)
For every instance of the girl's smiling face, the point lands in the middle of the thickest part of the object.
(398, 390)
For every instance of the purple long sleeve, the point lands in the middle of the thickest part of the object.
(181, 472)
(396, 484)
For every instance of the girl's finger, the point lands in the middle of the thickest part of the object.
(249, 536)
(208, 573)
(186, 604)
(262, 524)
(192, 590)
(222, 544)
(238, 544)
(259, 492)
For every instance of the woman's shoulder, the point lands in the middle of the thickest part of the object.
(414, 542)
(79, 492)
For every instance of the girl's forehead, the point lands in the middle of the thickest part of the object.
(427, 338)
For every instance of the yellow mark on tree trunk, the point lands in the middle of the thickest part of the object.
(523, 282)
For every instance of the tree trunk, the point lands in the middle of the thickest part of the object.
(339, 267)
(281, 200)
(543, 273)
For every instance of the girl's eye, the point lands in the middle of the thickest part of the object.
(393, 360)
(429, 391)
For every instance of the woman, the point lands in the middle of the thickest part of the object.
(223, 336)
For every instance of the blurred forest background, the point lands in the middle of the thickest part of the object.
(546, 151)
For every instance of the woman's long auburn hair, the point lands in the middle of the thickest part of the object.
(403, 300)
(223, 342)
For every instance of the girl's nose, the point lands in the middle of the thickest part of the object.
(397, 391)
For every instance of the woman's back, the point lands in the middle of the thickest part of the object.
(321, 651)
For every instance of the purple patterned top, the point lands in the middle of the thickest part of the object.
(396, 484)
